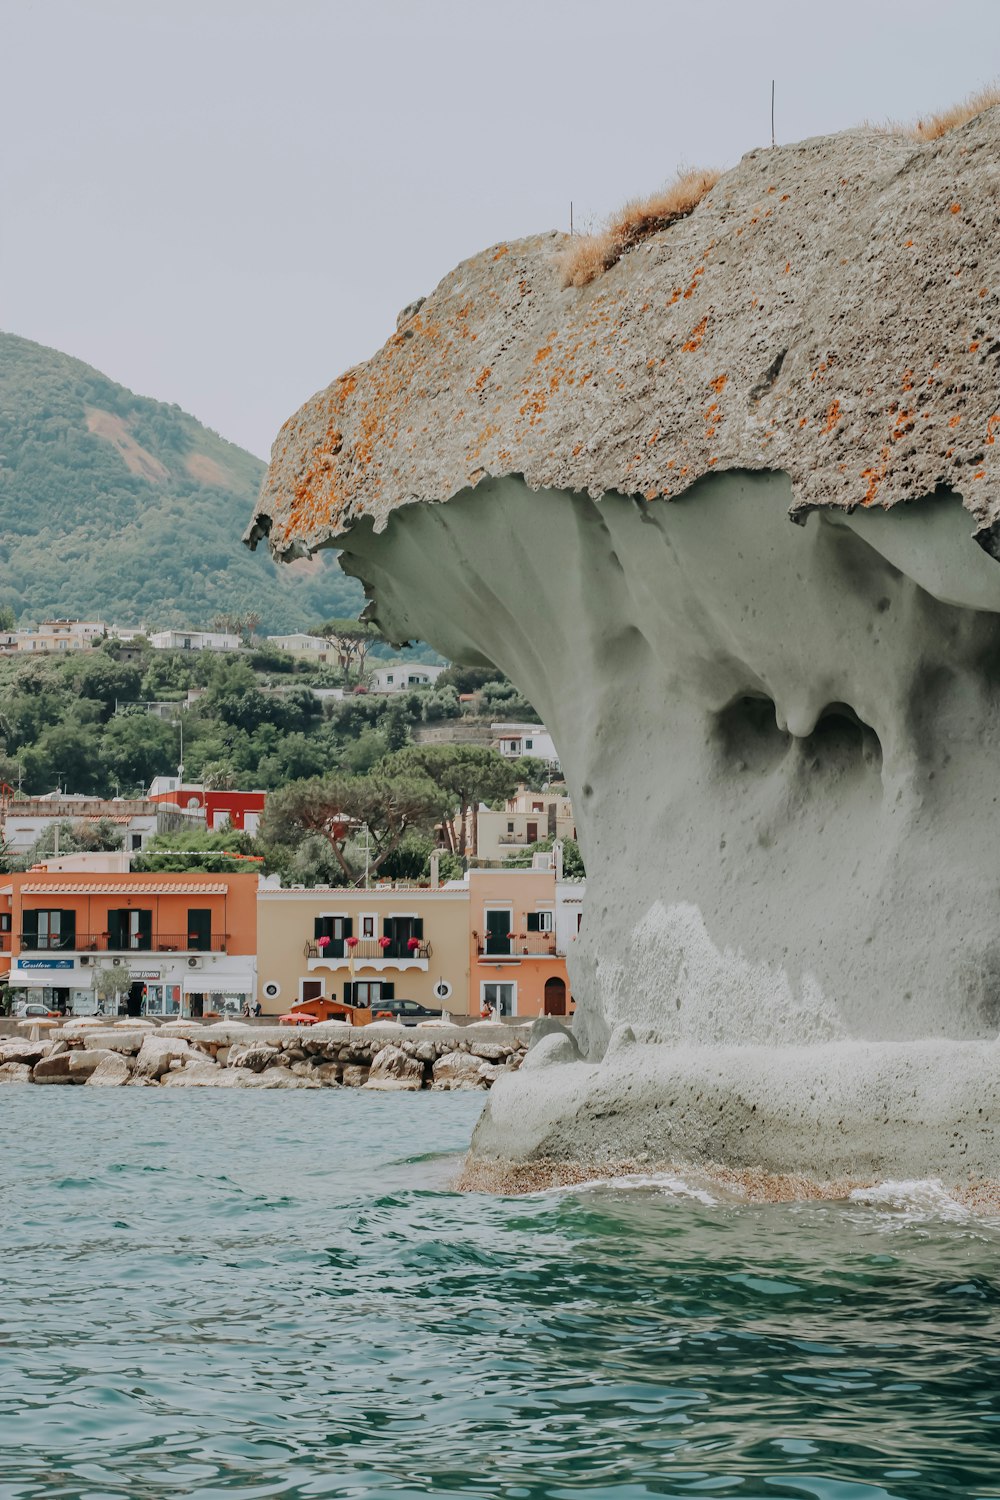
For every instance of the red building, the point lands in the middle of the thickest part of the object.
(240, 810)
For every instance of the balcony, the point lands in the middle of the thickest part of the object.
(100, 942)
(521, 945)
(371, 953)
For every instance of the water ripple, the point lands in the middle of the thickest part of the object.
(269, 1295)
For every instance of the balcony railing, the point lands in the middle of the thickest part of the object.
(101, 942)
(363, 950)
(521, 945)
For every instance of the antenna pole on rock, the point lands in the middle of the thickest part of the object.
(772, 114)
(571, 216)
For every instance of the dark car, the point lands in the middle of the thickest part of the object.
(407, 1011)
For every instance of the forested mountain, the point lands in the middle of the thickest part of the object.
(117, 507)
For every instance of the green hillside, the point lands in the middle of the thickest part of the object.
(117, 507)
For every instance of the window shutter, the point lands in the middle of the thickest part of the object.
(347, 992)
(318, 927)
(29, 926)
(348, 927)
(418, 928)
(387, 991)
(534, 921)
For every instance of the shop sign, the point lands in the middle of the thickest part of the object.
(45, 963)
(144, 973)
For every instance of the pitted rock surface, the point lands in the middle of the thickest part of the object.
(831, 310)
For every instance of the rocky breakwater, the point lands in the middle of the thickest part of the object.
(735, 505)
(383, 1056)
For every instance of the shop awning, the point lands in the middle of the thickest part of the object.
(207, 983)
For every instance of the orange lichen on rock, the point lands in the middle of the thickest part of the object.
(697, 334)
(832, 417)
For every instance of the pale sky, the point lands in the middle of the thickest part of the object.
(224, 203)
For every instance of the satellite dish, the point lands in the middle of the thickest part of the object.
(442, 990)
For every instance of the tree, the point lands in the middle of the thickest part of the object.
(137, 747)
(226, 850)
(466, 774)
(388, 803)
(8, 619)
(352, 640)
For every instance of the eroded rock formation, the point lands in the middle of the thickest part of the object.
(782, 740)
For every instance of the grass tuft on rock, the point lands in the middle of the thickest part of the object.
(590, 255)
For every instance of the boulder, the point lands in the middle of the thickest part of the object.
(256, 1057)
(552, 1048)
(393, 1068)
(83, 1061)
(53, 1070)
(157, 1053)
(13, 1050)
(354, 1075)
(458, 1070)
(15, 1072)
(112, 1072)
(114, 1040)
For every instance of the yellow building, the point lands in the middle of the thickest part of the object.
(402, 943)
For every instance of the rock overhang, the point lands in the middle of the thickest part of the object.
(830, 310)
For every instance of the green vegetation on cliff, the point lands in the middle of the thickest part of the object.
(122, 508)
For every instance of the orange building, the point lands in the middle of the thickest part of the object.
(521, 927)
(159, 944)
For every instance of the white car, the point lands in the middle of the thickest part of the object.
(29, 1008)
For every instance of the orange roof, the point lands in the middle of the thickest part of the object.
(127, 888)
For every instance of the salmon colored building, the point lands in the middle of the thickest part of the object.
(156, 944)
(522, 923)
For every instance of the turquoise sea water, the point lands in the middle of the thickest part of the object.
(264, 1294)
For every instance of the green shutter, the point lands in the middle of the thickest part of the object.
(418, 928)
(534, 921)
(348, 927)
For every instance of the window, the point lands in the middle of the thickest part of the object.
(48, 929)
(500, 997)
(199, 928)
(528, 744)
(136, 839)
(368, 992)
(539, 921)
(368, 926)
(388, 677)
(335, 930)
(400, 931)
(4, 921)
(499, 922)
(510, 827)
(130, 929)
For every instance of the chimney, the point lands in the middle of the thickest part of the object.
(557, 858)
(435, 869)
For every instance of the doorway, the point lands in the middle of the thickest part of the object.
(136, 995)
(554, 1003)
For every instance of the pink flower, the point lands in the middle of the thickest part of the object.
(323, 942)
(384, 942)
(352, 942)
(413, 944)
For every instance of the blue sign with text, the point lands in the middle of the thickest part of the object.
(45, 963)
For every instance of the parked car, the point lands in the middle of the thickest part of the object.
(26, 1009)
(407, 1011)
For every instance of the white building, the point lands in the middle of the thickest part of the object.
(301, 644)
(24, 821)
(515, 740)
(194, 640)
(399, 677)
